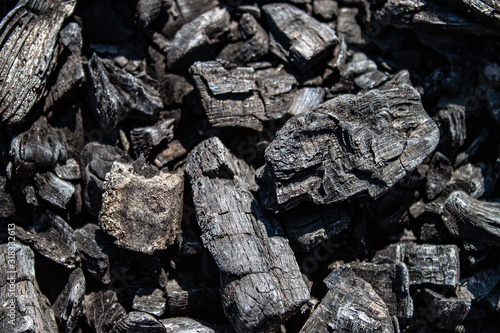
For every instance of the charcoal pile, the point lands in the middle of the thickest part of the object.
(255, 166)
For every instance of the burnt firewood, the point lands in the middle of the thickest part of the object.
(70, 170)
(198, 37)
(192, 298)
(68, 306)
(444, 312)
(40, 146)
(53, 189)
(349, 146)
(391, 282)
(351, 305)
(433, 264)
(143, 213)
(144, 139)
(102, 310)
(189, 325)
(7, 207)
(151, 301)
(438, 175)
(52, 237)
(96, 160)
(261, 284)
(28, 44)
(468, 218)
(139, 322)
(115, 94)
(299, 39)
(24, 307)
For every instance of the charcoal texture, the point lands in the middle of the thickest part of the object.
(68, 307)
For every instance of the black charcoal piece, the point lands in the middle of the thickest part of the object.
(139, 322)
(68, 306)
(371, 79)
(115, 94)
(300, 39)
(349, 29)
(348, 146)
(24, 307)
(147, 11)
(480, 284)
(52, 237)
(350, 305)
(306, 100)
(452, 126)
(41, 145)
(144, 139)
(70, 170)
(28, 43)
(7, 207)
(445, 312)
(486, 10)
(173, 151)
(276, 88)
(434, 264)
(261, 285)
(438, 175)
(174, 88)
(144, 214)
(53, 189)
(96, 161)
(196, 38)
(102, 310)
(391, 282)
(190, 325)
(192, 298)
(151, 301)
(468, 218)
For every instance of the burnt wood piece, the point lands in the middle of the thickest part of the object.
(144, 214)
(451, 121)
(147, 11)
(299, 39)
(349, 29)
(144, 139)
(96, 161)
(53, 189)
(41, 145)
(391, 282)
(174, 88)
(438, 175)
(193, 298)
(261, 284)
(28, 44)
(349, 146)
(190, 325)
(308, 225)
(70, 170)
(68, 307)
(53, 238)
(434, 264)
(471, 219)
(151, 301)
(444, 312)
(351, 305)
(173, 151)
(139, 322)
(102, 310)
(306, 100)
(115, 94)
(7, 207)
(198, 37)
(24, 307)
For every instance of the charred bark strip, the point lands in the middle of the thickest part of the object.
(261, 284)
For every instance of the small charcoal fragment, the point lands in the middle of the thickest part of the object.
(68, 306)
(438, 175)
(144, 139)
(7, 207)
(348, 28)
(452, 126)
(326, 9)
(173, 151)
(190, 325)
(306, 100)
(143, 213)
(445, 312)
(53, 189)
(69, 170)
(151, 301)
(139, 322)
(147, 11)
(193, 298)
(351, 305)
(102, 310)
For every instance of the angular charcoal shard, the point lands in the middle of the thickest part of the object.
(276, 88)
(68, 306)
(193, 298)
(198, 37)
(69, 170)
(151, 301)
(28, 43)
(445, 312)
(350, 305)
(53, 189)
(391, 282)
(434, 264)
(438, 175)
(349, 29)
(147, 11)
(144, 139)
(189, 325)
(102, 310)
(261, 285)
(468, 218)
(139, 322)
(486, 10)
(41, 145)
(306, 100)
(452, 126)
(349, 146)
(143, 214)
(24, 307)
(302, 40)
(53, 238)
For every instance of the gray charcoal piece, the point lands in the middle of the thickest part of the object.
(276, 88)
(261, 284)
(487, 10)
(438, 175)
(444, 312)
(427, 263)
(190, 325)
(151, 301)
(198, 37)
(326, 9)
(53, 238)
(53, 189)
(193, 298)
(306, 100)
(302, 40)
(138, 322)
(481, 283)
(70, 170)
(28, 44)
(174, 150)
(371, 79)
(144, 139)
(471, 219)
(349, 146)
(7, 207)
(391, 282)
(349, 29)
(452, 125)
(41, 145)
(351, 305)
(102, 310)
(144, 214)
(68, 307)
(147, 11)
(24, 307)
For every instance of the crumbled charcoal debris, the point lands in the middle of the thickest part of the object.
(180, 166)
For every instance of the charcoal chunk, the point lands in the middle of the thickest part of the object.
(68, 306)
(445, 312)
(481, 283)
(188, 325)
(151, 301)
(438, 175)
(349, 29)
(53, 189)
(69, 170)
(302, 40)
(138, 322)
(192, 298)
(144, 139)
(102, 310)
(261, 284)
(306, 100)
(7, 207)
